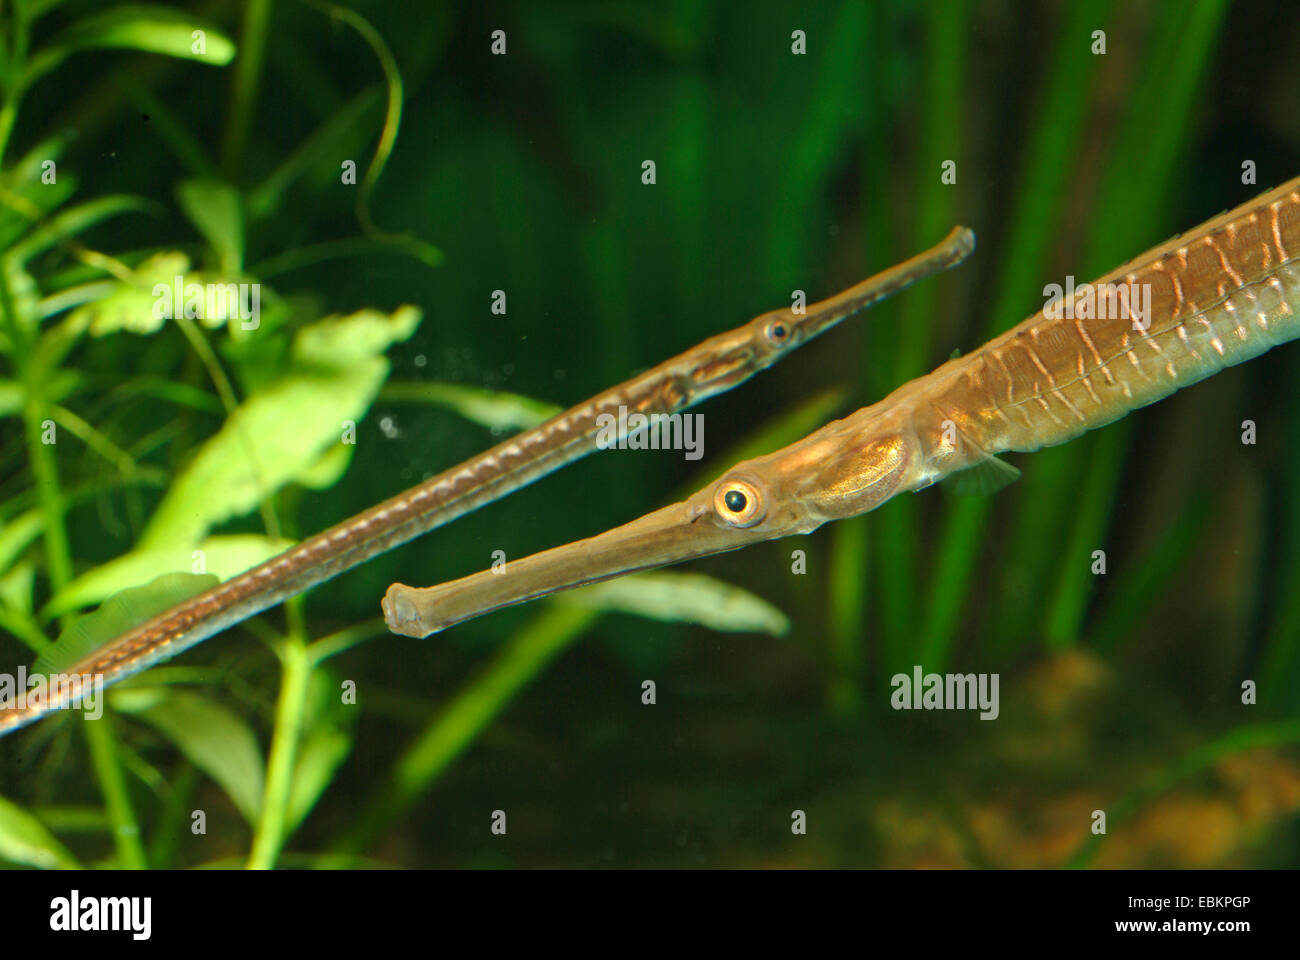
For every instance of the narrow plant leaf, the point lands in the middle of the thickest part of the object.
(685, 598)
(325, 743)
(214, 739)
(215, 210)
(25, 841)
(16, 534)
(494, 409)
(11, 398)
(120, 613)
(68, 223)
(152, 29)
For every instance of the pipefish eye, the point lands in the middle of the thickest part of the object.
(777, 332)
(739, 503)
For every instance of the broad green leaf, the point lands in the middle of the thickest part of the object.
(328, 468)
(132, 306)
(25, 841)
(214, 739)
(224, 556)
(282, 430)
(341, 341)
(268, 441)
(119, 613)
(214, 208)
(682, 597)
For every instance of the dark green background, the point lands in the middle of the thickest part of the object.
(775, 172)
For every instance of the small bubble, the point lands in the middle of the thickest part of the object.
(420, 360)
(388, 428)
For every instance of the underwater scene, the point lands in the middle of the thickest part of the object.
(650, 435)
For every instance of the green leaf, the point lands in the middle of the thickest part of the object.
(280, 432)
(682, 597)
(342, 341)
(321, 754)
(214, 739)
(152, 29)
(343, 134)
(25, 841)
(495, 409)
(328, 468)
(326, 742)
(26, 181)
(131, 305)
(119, 613)
(17, 534)
(214, 208)
(224, 556)
(268, 441)
(11, 398)
(67, 224)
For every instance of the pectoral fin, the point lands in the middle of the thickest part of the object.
(987, 476)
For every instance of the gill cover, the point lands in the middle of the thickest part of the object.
(865, 477)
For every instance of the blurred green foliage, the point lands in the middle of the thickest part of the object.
(522, 173)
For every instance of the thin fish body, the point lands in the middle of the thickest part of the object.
(1219, 295)
(712, 367)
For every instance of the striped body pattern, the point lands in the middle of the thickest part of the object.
(1220, 294)
(714, 366)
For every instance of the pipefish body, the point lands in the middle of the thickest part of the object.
(1219, 295)
(710, 368)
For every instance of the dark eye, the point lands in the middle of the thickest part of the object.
(739, 503)
(778, 332)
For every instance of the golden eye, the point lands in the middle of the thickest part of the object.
(777, 332)
(739, 503)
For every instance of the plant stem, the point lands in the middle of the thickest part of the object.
(103, 754)
(270, 836)
(248, 71)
